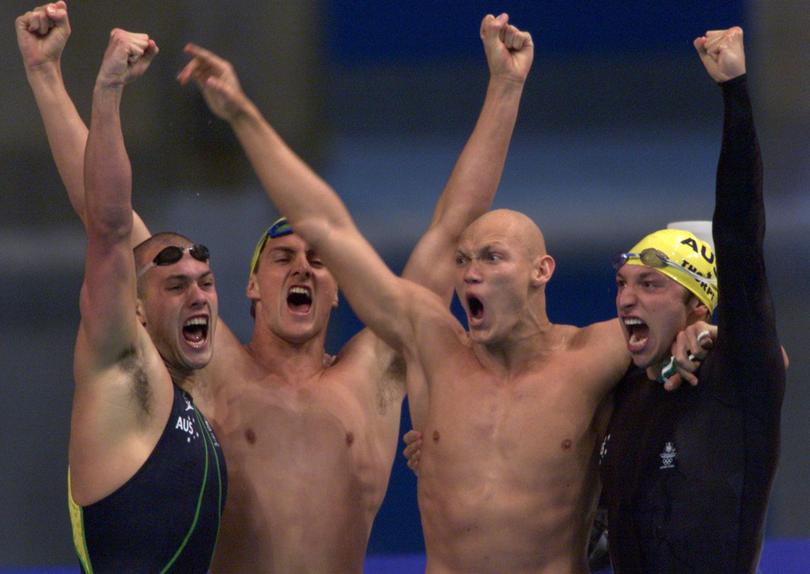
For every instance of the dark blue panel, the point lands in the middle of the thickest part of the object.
(363, 32)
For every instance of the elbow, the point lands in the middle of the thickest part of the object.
(319, 230)
(314, 230)
(114, 225)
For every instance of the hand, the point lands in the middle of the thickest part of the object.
(217, 81)
(127, 57)
(721, 51)
(691, 346)
(42, 34)
(509, 51)
(413, 449)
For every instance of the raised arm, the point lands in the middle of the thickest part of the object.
(380, 299)
(42, 34)
(114, 425)
(477, 173)
(109, 326)
(745, 308)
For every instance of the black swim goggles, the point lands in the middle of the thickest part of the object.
(172, 254)
(656, 259)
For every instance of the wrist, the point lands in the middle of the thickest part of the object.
(505, 83)
(47, 70)
(104, 92)
(108, 84)
(505, 88)
(243, 111)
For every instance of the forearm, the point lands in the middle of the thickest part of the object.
(745, 311)
(108, 173)
(469, 191)
(472, 185)
(739, 202)
(65, 129)
(308, 202)
(320, 218)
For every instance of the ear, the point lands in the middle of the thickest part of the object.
(252, 291)
(140, 312)
(697, 311)
(336, 300)
(544, 266)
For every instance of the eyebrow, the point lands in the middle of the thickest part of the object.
(281, 248)
(652, 273)
(187, 277)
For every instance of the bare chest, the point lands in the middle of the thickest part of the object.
(273, 419)
(539, 418)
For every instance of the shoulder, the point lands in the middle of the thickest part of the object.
(605, 335)
(230, 358)
(601, 348)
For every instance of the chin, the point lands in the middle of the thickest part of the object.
(299, 335)
(477, 336)
(640, 362)
(198, 360)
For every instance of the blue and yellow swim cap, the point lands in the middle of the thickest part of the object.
(278, 228)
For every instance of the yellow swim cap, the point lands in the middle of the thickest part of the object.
(688, 261)
(278, 228)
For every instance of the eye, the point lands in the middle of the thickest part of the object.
(207, 283)
(316, 262)
(493, 256)
(460, 260)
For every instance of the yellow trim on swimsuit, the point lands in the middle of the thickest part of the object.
(77, 526)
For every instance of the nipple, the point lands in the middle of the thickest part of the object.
(250, 436)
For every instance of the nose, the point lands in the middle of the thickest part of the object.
(625, 297)
(472, 272)
(302, 267)
(196, 294)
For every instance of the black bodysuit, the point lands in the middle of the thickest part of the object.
(166, 517)
(687, 474)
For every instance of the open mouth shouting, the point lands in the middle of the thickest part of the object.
(638, 333)
(476, 309)
(195, 331)
(299, 299)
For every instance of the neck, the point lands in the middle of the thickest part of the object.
(530, 340)
(291, 360)
(182, 377)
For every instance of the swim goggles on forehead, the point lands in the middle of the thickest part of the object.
(656, 259)
(172, 254)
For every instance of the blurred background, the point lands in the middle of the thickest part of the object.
(618, 134)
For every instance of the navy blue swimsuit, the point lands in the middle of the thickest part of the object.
(166, 517)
